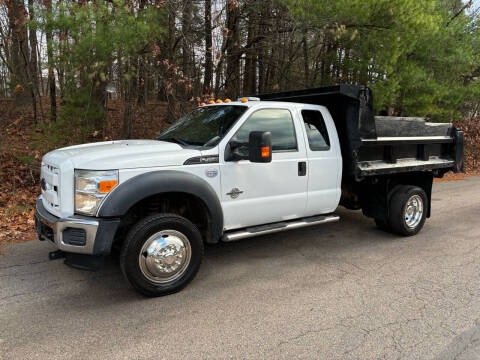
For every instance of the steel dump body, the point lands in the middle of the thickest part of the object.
(381, 145)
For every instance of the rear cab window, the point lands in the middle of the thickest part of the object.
(317, 134)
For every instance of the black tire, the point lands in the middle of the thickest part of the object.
(382, 225)
(138, 236)
(397, 210)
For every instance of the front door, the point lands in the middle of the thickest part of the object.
(261, 193)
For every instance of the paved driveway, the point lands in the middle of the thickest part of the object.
(338, 291)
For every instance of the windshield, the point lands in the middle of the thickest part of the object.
(204, 126)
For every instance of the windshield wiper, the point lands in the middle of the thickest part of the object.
(212, 141)
(176, 140)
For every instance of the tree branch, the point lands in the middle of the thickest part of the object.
(467, 5)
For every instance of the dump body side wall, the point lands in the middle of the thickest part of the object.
(421, 146)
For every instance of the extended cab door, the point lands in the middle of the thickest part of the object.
(261, 193)
(324, 160)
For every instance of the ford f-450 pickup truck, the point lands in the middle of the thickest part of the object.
(237, 169)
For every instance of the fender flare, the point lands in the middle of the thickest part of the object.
(135, 189)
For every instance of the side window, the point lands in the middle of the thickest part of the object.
(316, 130)
(278, 121)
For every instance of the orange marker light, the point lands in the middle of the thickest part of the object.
(211, 102)
(202, 104)
(265, 151)
(107, 185)
(244, 100)
(227, 100)
(218, 101)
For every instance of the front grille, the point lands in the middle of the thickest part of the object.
(50, 182)
(74, 236)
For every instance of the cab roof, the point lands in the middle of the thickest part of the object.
(255, 103)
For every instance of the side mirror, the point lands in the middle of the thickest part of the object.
(260, 147)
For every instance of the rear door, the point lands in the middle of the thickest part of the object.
(324, 160)
(261, 193)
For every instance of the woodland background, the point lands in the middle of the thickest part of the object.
(73, 71)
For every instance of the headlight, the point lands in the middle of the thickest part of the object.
(91, 187)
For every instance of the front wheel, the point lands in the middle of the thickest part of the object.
(161, 254)
(408, 210)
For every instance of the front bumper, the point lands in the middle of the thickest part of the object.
(75, 234)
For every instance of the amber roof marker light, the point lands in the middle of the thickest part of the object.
(227, 100)
(249, 98)
(211, 102)
(219, 101)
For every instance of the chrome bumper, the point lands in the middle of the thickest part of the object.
(51, 228)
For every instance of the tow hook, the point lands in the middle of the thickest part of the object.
(57, 254)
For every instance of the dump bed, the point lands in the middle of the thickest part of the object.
(381, 145)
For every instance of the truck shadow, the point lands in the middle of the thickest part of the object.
(264, 258)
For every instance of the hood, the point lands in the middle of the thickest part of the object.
(121, 154)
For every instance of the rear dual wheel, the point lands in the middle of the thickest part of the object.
(407, 211)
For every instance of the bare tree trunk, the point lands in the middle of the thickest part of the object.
(305, 59)
(162, 53)
(187, 48)
(249, 76)
(232, 81)
(60, 67)
(141, 70)
(219, 70)
(51, 74)
(262, 48)
(128, 100)
(141, 81)
(20, 56)
(34, 62)
(207, 82)
(171, 63)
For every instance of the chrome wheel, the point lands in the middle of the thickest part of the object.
(165, 256)
(413, 211)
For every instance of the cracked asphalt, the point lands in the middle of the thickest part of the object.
(339, 291)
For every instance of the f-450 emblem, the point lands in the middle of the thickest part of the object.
(234, 193)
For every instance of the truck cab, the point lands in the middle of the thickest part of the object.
(295, 183)
(226, 171)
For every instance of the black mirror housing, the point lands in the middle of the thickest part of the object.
(260, 147)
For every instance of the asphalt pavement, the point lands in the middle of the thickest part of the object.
(339, 291)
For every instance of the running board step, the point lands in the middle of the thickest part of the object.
(280, 226)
